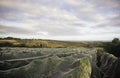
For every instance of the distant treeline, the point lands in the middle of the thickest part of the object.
(10, 38)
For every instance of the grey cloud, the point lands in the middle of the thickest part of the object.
(59, 17)
(59, 30)
(10, 29)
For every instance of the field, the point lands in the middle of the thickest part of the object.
(39, 43)
(57, 63)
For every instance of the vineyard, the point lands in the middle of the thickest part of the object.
(55, 63)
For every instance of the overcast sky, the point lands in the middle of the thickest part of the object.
(60, 19)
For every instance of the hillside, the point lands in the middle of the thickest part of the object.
(41, 43)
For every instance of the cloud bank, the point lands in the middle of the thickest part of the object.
(60, 19)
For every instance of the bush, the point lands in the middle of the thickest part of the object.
(113, 47)
(5, 44)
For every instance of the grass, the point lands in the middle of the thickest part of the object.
(47, 43)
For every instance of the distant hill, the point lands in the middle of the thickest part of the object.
(43, 43)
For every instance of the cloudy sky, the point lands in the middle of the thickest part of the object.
(60, 19)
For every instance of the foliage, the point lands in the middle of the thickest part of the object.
(6, 44)
(57, 63)
(10, 38)
(113, 47)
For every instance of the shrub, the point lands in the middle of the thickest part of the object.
(5, 44)
(113, 47)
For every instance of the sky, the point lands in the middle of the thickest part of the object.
(89, 20)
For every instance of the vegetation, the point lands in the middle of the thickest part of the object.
(45, 63)
(57, 63)
(36, 58)
(113, 47)
(16, 42)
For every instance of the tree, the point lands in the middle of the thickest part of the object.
(115, 40)
(113, 47)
